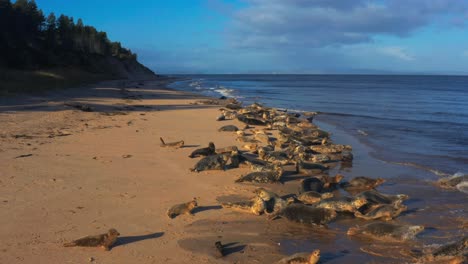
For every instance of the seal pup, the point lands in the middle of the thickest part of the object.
(177, 144)
(262, 176)
(183, 208)
(304, 214)
(255, 206)
(384, 212)
(104, 241)
(387, 231)
(210, 150)
(213, 162)
(228, 128)
(302, 258)
(313, 197)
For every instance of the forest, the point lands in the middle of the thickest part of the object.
(29, 40)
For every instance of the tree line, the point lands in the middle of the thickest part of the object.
(29, 40)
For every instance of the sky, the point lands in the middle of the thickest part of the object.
(283, 36)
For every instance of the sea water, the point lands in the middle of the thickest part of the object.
(419, 121)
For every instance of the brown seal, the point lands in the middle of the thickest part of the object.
(302, 258)
(210, 150)
(184, 208)
(387, 231)
(177, 144)
(104, 241)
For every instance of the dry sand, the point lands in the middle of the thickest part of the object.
(85, 172)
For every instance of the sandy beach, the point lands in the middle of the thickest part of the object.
(80, 161)
(68, 173)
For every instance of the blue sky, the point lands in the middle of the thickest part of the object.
(284, 36)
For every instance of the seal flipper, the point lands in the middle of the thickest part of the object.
(70, 244)
(273, 215)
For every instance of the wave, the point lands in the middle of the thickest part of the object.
(393, 119)
(463, 187)
(362, 132)
(421, 167)
(225, 91)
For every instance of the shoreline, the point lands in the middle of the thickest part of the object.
(379, 151)
(78, 182)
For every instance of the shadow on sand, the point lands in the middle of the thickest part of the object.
(132, 239)
(231, 248)
(200, 209)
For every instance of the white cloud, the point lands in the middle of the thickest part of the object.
(320, 23)
(465, 53)
(397, 52)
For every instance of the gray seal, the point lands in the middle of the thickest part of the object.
(304, 214)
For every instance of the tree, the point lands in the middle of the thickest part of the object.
(50, 33)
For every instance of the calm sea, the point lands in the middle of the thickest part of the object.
(418, 121)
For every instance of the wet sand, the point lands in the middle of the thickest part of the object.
(67, 173)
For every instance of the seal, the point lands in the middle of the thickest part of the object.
(255, 206)
(177, 144)
(363, 183)
(251, 121)
(184, 208)
(453, 253)
(104, 241)
(452, 182)
(309, 168)
(330, 148)
(343, 204)
(321, 183)
(228, 128)
(240, 133)
(384, 212)
(262, 176)
(213, 162)
(250, 147)
(275, 157)
(228, 149)
(302, 258)
(274, 202)
(387, 231)
(210, 150)
(219, 253)
(304, 214)
(257, 166)
(373, 197)
(313, 197)
(245, 139)
(262, 137)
